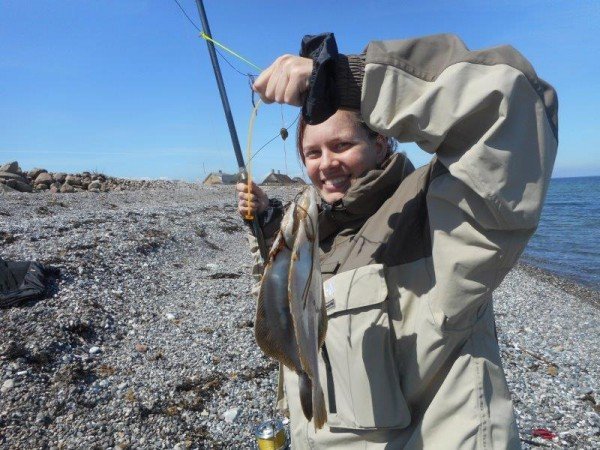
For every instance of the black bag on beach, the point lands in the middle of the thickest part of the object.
(22, 280)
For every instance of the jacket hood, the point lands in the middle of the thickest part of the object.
(364, 197)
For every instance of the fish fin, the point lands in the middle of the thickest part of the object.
(322, 328)
(305, 387)
(319, 409)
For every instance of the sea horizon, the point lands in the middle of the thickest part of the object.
(566, 240)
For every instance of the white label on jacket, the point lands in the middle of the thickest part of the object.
(329, 291)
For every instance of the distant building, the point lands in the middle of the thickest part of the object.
(298, 180)
(276, 179)
(220, 178)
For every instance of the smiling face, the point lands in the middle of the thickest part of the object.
(338, 151)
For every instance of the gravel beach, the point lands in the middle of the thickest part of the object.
(146, 340)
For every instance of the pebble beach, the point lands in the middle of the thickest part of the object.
(146, 340)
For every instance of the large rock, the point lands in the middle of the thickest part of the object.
(34, 173)
(19, 185)
(41, 187)
(94, 185)
(59, 177)
(43, 178)
(11, 176)
(5, 188)
(12, 167)
(73, 180)
(67, 189)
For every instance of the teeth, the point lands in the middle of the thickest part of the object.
(336, 181)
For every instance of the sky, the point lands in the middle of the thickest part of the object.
(125, 87)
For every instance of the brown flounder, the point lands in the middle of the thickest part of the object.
(305, 289)
(291, 319)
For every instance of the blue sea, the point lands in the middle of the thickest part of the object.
(567, 241)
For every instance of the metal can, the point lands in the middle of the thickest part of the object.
(270, 435)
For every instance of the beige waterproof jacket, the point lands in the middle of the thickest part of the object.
(410, 260)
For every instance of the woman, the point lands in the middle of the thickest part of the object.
(410, 257)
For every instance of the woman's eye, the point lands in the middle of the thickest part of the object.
(311, 154)
(343, 145)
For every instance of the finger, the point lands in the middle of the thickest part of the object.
(282, 83)
(262, 87)
(241, 187)
(245, 196)
(295, 89)
(261, 82)
(269, 94)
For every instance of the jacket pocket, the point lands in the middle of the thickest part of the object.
(358, 371)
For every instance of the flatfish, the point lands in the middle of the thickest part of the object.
(305, 289)
(291, 319)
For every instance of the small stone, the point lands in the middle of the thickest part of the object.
(7, 385)
(94, 350)
(552, 370)
(204, 413)
(142, 348)
(230, 415)
(170, 316)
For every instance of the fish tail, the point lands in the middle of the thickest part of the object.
(319, 409)
(305, 395)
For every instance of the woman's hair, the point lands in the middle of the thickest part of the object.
(389, 143)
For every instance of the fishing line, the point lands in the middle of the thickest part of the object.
(186, 15)
(283, 132)
(205, 36)
(277, 135)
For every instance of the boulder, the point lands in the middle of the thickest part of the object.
(19, 185)
(94, 185)
(55, 188)
(59, 177)
(5, 188)
(12, 167)
(67, 189)
(34, 173)
(11, 176)
(41, 187)
(73, 180)
(43, 178)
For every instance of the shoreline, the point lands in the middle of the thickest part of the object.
(572, 287)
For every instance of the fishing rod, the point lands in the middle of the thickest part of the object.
(256, 230)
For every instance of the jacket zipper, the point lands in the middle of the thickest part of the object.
(330, 385)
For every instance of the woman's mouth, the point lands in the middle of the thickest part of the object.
(336, 184)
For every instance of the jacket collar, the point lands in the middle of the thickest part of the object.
(364, 197)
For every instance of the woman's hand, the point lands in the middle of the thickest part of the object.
(285, 81)
(257, 201)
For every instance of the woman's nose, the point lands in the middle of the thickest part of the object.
(328, 160)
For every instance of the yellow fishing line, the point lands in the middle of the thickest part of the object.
(249, 214)
(203, 35)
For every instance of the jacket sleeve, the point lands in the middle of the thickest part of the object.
(493, 124)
